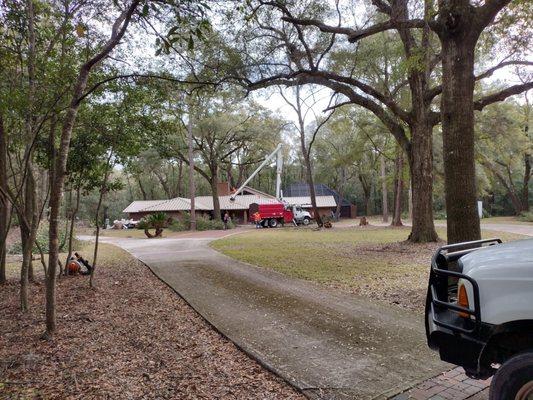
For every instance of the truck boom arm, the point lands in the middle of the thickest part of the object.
(277, 152)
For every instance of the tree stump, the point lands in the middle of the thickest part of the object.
(363, 222)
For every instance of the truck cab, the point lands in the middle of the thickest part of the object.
(301, 216)
(479, 312)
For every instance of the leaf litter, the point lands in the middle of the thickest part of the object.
(131, 338)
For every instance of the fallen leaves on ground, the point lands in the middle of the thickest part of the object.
(403, 287)
(131, 338)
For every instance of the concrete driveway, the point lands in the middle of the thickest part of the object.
(329, 344)
(519, 229)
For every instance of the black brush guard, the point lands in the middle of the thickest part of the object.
(440, 297)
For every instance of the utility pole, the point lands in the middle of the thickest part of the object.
(192, 187)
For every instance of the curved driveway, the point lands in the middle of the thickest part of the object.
(329, 344)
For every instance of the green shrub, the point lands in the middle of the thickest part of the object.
(203, 223)
(440, 214)
(206, 224)
(177, 226)
(526, 216)
(158, 220)
(142, 224)
(43, 240)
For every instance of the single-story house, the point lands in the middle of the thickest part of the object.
(238, 208)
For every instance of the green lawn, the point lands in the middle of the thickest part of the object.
(374, 261)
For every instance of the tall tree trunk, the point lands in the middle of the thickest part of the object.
(28, 213)
(97, 238)
(398, 189)
(72, 222)
(410, 200)
(366, 193)
(192, 184)
(367, 203)
(214, 192)
(55, 203)
(29, 218)
(384, 192)
(4, 202)
(525, 182)
(24, 276)
(106, 217)
(180, 178)
(65, 235)
(421, 169)
(342, 185)
(103, 191)
(457, 109)
(306, 153)
(527, 161)
(420, 153)
(164, 185)
(311, 184)
(31, 272)
(52, 149)
(141, 188)
(240, 178)
(119, 29)
(230, 177)
(130, 188)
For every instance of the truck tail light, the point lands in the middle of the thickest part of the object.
(462, 300)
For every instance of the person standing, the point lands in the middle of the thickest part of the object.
(226, 220)
(257, 220)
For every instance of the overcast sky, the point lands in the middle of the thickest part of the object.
(138, 54)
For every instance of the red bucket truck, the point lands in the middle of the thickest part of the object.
(272, 214)
(276, 213)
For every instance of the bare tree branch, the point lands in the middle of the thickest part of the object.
(354, 35)
(503, 64)
(433, 92)
(148, 76)
(501, 95)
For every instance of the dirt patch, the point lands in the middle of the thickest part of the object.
(132, 338)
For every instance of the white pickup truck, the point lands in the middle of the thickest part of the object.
(479, 312)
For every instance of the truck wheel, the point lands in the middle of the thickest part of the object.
(514, 379)
(306, 221)
(273, 223)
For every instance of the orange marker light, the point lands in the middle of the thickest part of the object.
(463, 301)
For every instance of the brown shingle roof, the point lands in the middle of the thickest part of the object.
(205, 203)
(139, 205)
